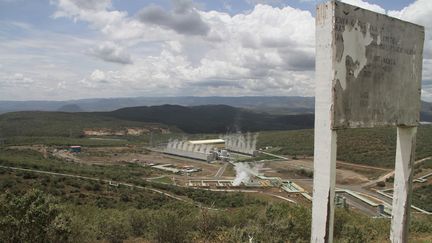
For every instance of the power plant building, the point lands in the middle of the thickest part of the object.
(195, 151)
(214, 149)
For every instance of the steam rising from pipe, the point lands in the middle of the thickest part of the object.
(244, 172)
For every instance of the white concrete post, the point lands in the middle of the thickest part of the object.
(325, 137)
(324, 185)
(405, 150)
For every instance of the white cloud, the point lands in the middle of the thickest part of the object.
(255, 2)
(116, 25)
(184, 19)
(366, 5)
(15, 81)
(246, 54)
(110, 52)
(92, 4)
(265, 51)
(20, 79)
(97, 75)
(420, 12)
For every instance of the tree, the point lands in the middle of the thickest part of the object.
(32, 217)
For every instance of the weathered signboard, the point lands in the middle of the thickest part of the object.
(377, 63)
(368, 74)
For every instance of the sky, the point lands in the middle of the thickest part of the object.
(74, 49)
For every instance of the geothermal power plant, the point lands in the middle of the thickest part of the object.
(214, 149)
(190, 150)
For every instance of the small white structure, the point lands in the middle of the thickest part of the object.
(368, 74)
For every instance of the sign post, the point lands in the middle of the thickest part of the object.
(405, 148)
(368, 74)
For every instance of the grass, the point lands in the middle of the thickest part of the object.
(376, 147)
(131, 173)
(164, 179)
(427, 164)
(33, 160)
(258, 158)
(422, 197)
(154, 139)
(100, 211)
(61, 124)
(80, 191)
(64, 141)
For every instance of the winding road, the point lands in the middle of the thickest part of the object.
(390, 174)
(111, 182)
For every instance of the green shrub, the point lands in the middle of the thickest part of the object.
(33, 217)
(140, 222)
(169, 227)
(114, 226)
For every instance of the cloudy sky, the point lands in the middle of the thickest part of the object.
(71, 49)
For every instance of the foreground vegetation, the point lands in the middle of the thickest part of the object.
(48, 208)
(35, 216)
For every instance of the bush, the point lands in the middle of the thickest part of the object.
(114, 226)
(283, 222)
(7, 183)
(357, 228)
(33, 217)
(209, 224)
(171, 227)
(29, 175)
(140, 222)
(423, 225)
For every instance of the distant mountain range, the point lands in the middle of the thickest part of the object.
(275, 105)
(269, 104)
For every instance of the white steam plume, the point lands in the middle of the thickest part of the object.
(244, 172)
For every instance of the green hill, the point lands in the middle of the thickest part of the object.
(365, 146)
(371, 146)
(59, 124)
(198, 119)
(213, 118)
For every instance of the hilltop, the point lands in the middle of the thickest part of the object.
(61, 124)
(213, 118)
(195, 119)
